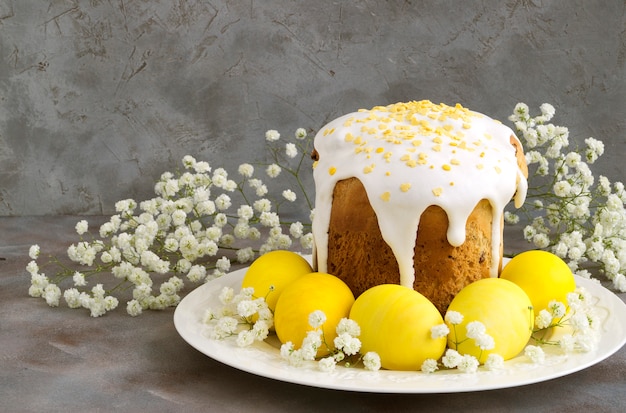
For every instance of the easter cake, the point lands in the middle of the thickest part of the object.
(414, 194)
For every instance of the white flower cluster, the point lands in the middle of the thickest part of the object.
(466, 363)
(346, 346)
(241, 314)
(578, 317)
(569, 212)
(182, 230)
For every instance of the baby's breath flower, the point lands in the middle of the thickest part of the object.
(534, 353)
(32, 267)
(245, 169)
(72, 297)
(245, 255)
(82, 227)
(454, 317)
(273, 170)
(289, 195)
(291, 150)
(348, 344)
(485, 342)
(52, 294)
(468, 364)
(134, 308)
(494, 362)
(543, 319)
(34, 251)
(429, 366)
(272, 135)
(300, 133)
(317, 318)
(439, 331)
(327, 364)
(475, 329)
(348, 326)
(451, 358)
(371, 361)
(79, 279)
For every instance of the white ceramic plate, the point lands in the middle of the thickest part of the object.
(263, 358)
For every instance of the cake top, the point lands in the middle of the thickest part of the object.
(412, 155)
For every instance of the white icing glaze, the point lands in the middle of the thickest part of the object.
(410, 156)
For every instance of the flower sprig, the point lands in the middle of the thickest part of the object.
(345, 348)
(577, 318)
(191, 230)
(567, 211)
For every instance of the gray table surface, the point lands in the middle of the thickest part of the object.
(63, 360)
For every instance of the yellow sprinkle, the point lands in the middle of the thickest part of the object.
(437, 191)
(416, 142)
(482, 154)
(382, 126)
(405, 158)
(437, 139)
(455, 162)
(411, 163)
(385, 196)
(315, 164)
(446, 167)
(498, 169)
(349, 137)
(405, 187)
(387, 173)
(480, 166)
(380, 150)
(332, 170)
(368, 168)
(466, 126)
(488, 136)
(328, 131)
(451, 183)
(437, 148)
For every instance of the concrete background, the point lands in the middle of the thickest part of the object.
(99, 97)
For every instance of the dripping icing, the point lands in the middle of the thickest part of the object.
(409, 156)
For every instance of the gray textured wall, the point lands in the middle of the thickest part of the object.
(98, 97)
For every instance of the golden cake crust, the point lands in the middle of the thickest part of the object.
(358, 254)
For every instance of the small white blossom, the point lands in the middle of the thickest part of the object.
(494, 362)
(468, 364)
(272, 135)
(451, 358)
(429, 366)
(300, 133)
(289, 195)
(82, 227)
(327, 364)
(317, 318)
(371, 361)
(79, 279)
(291, 150)
(273, 170)
(475, 329)
(454, 317)
(485, 342)
(348, 344)
(34, 251)
(439, 331)
(534, 353)
(246, 170)
(348, 326)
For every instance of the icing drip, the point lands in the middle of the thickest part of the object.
(410, 156)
